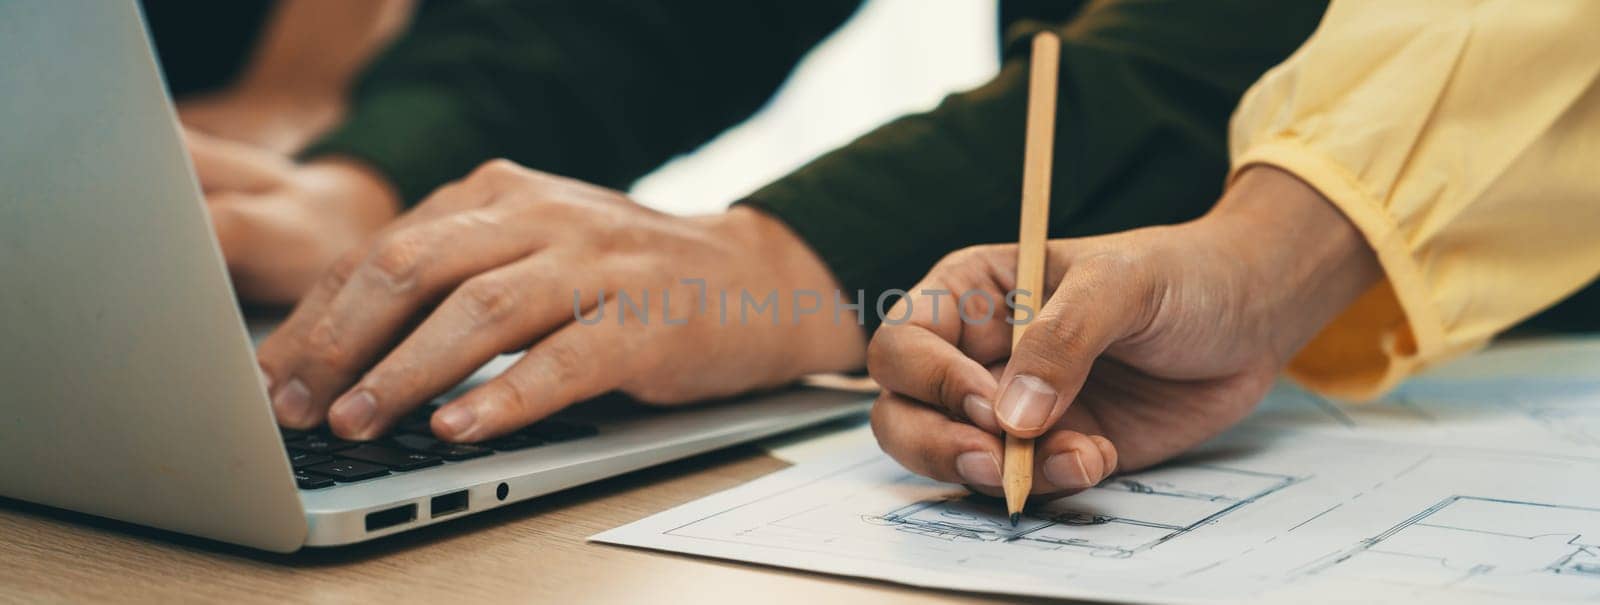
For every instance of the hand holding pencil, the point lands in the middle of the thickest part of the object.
(1150, 341)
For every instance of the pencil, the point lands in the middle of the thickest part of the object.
(1017, 476)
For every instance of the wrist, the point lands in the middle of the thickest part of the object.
(1299, 247)
(824, 341)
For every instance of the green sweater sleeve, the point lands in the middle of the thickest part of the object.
(600, 90)
(1146, 89)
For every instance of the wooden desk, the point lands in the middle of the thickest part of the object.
(529, 552)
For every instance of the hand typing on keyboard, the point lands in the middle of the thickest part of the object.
(508, 258)
(320, 459)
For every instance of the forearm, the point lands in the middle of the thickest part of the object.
(1308, 261)
(1474, 184)
(600, 91)
(295, 85)
(318, 48)
(881, 211)
(830, 340)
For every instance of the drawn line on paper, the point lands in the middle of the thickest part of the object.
(1481, 544)
(1315, 517)
(1331, 409)
(1207, 568)
(1577, 426)
(776, 494)
(1406, 403)
(1151, 509)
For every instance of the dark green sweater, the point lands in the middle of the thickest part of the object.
(600, 90)
(1146, 89)
(606, 90)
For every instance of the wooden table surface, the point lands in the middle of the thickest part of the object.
(533, 551)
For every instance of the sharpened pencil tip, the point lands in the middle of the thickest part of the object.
(1015, 518)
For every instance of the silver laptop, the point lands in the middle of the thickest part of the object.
(128, 386)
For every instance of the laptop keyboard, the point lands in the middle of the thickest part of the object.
(321, 460)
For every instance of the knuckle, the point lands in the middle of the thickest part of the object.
(487, 300)
(393, 384)
(446, 191)
(1054, 371)
(880, 353)
(561, 364)
(978, 255)
(1067, 341)
(510, 399)
(592, 223)
(981, 304)
(340, 272)
(957, 258)
(1109, 267)
(399, 258)
(495, 169)
(984, 252)
(323, 346)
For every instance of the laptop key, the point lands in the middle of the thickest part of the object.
(557, 430)
(453, 452)
(320, 444)
(514, 442)
(392, 458)
(345, 471)
(309, 481)
(414, 426)
(291, 434)
(301, 460)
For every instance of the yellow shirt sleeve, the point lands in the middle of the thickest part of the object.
(1462, 138)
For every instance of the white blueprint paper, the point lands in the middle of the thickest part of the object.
(1411, 500)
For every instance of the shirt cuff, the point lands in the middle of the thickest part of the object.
(1394, 329)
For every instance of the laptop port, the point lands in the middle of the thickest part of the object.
(453, 502)
(388, 518)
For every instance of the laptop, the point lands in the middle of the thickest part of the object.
(128, 383)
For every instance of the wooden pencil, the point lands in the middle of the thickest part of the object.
(1017, 475)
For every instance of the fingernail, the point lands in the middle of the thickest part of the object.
(456, 419)
(266, 379)
(980, 413)
(293, 402)
(1067, 470)
(978, 468)
(1026, 403)
(353, 412)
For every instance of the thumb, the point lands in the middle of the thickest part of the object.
(1100, 300)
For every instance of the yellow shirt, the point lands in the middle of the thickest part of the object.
(1462, 138)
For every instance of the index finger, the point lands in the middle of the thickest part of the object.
(954, 322)
(488, 315)
(308, 340)
(577, 362)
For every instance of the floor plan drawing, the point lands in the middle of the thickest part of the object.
(1481, 544)
(1120, 518)
(1552, 418)
(1269, 515)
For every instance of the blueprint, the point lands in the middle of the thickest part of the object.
(1413, 499)
(1482, 545)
